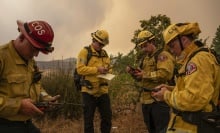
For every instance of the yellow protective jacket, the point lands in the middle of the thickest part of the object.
(197, 85)
(156, 72)
(15, 83)
(90, 70)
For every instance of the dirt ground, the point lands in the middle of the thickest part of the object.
(124, 121)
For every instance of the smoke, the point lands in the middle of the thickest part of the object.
(74, 20)
(69, 18)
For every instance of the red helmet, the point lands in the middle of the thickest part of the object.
(39, 33)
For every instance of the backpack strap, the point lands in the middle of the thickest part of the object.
(157, 54)
(89, 53)
(155, 57)
(142, 62)
(212, 51)
(103, 53)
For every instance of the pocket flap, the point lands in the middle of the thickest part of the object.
(16, 78)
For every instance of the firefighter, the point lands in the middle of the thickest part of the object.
(156, 68)
(94, 89)
(197, 87)
(19, 89)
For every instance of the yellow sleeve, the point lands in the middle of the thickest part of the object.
(165, 67)
(81, 66)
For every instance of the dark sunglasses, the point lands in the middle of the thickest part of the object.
(48, 49)
(100, 44)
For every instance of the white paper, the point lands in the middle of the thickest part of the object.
(107, 76)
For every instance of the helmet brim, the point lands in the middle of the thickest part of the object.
(141, 43)
(96, 38)
(147, 40)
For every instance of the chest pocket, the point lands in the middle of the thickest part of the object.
(98, 59)
(17, 85)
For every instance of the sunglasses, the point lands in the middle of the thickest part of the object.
(100, 44)
(48, 49)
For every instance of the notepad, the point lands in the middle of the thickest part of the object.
(107, 76)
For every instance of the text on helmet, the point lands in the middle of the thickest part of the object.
(38, 28)
(172, 29)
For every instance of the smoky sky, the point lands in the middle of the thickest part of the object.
(73, 21)
(69, 19)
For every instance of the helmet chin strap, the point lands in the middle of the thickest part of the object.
(180, 42)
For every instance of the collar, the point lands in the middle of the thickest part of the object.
(18, 59)
(94, 52)
(154, 53)
(186, 52)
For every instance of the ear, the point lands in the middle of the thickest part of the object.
(21, 37)
(185, 41)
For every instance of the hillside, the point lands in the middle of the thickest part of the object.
(64, 64)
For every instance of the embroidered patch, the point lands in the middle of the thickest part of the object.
(153, 74)
(162, 58)
(191, 67)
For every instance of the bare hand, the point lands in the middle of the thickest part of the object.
(128, 69)
(54, 98)
(159, 95)
(102, 70)
(138, 74)
(170, 88)
(28, 108)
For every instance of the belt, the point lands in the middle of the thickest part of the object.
(5, 121)
(177, 112)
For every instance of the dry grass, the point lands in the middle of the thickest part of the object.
(124, 121)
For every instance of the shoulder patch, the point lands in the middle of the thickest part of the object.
(190, 68)
(162, 58)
